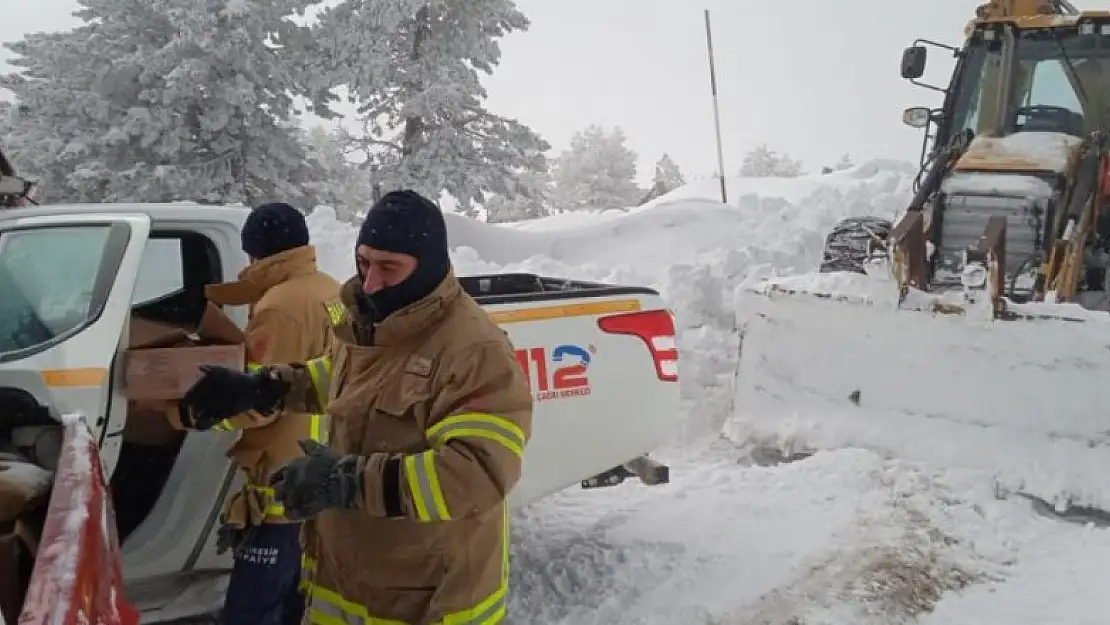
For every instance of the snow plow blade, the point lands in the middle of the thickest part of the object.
(833, 360)
(78, 576)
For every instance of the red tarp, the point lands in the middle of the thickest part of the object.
(78, 571)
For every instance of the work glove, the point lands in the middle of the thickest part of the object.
(319, 480)
(229, 537)
(221, 393)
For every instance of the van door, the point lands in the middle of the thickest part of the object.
(67, 281)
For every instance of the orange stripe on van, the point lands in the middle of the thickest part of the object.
(566, 310)
(86, 376)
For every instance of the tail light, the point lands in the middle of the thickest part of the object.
(656, 328)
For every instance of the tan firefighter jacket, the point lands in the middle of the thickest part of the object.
(293, 309)
(440, 412)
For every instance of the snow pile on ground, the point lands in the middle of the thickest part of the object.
(845, 537)
(1015, 400)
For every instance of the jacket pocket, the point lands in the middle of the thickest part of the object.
(395, 424)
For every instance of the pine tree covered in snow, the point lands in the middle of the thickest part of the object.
(537, 186)
(413, 67)
(340, 184)
(763, 162)
(668, 176)
(597, 171)
(161, 100)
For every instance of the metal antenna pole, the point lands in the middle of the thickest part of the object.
(716, 108)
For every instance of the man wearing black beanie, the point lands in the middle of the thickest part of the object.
(289, 299)
(272, 229)
(430, 415)
(401, 253)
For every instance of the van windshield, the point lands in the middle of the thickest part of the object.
(48, 277)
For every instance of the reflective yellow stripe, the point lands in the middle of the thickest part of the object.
(319, 371)
(308, 573)
(254, 366)
(423, 480)
(318, 428)
(478, 425)
(490, 611)
(272, 507)
(327, 607)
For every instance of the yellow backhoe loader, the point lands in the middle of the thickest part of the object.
(976, 323)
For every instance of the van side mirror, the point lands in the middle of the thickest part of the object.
(916, 116)
(913, 62)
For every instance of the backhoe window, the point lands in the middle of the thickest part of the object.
(48, 277)
(975, 96)
(1059, 85)
(1048, 101)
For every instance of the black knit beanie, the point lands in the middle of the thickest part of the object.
(273, 228)
(405, 222)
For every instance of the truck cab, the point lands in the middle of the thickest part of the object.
(601, 359)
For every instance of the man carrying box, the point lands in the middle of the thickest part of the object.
(293, 309)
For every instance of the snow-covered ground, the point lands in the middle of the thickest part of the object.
(885, 514)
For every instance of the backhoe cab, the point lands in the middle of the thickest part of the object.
(1010, 204)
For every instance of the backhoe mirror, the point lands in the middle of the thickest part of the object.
(916, 116)
(913, 62)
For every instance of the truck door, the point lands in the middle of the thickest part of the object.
(66, 282)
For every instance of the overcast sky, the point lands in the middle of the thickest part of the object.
(811, 78)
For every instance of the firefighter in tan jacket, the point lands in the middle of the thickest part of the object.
(430, 414)
(293, 310)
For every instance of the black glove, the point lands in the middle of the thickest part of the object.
(319, 480)
(229, 537)
(221, 393)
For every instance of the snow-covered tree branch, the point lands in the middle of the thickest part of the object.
(164, 100)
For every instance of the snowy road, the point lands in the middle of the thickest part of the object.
(842, 532)
(841, 538)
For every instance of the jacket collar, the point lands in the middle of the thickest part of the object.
(410, 321)
(261, 276)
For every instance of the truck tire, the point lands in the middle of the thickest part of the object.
(849, 244)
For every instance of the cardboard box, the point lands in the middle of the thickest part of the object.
(163, 361)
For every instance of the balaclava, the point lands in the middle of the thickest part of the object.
(273, 228)
(405, 222)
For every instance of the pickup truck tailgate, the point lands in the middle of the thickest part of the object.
(603, 367)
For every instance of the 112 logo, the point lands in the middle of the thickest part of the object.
(560, 373)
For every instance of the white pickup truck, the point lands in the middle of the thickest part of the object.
(601, 360)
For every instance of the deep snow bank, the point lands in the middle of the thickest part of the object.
(1017, 401)
(691, 248)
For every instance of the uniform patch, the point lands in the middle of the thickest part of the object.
(419, 365)
(337, 313)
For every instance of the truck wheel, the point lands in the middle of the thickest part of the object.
(850, 243)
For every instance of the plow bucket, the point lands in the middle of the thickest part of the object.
(831, 361)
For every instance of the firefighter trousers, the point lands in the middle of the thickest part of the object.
(263, 586)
